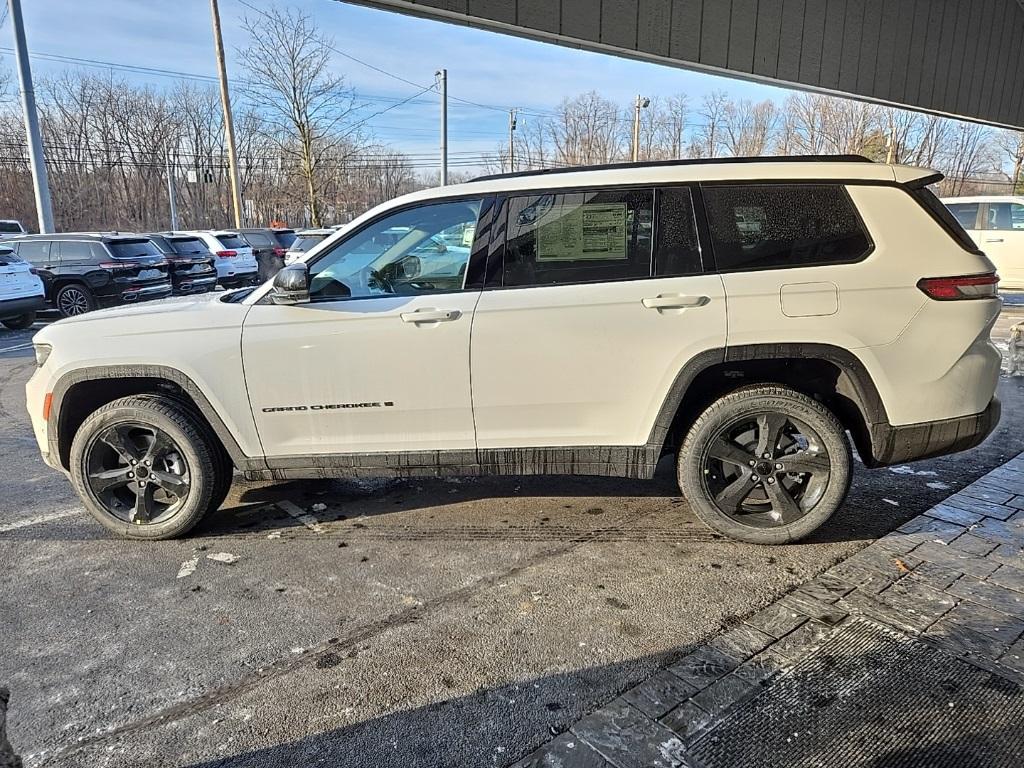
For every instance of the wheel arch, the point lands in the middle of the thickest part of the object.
(80, 392)
(828, 373)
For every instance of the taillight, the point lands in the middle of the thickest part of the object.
(227, 254)
(120, 265)
(279, 251)
(963, 287)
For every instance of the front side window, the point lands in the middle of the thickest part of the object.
(776, 226)
(579, 237)
(1006, 216)
(412, 252)
(965, 213)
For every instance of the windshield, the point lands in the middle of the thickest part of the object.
(303, 243)
(132, 249)
(10, 227)
(189, 246)
(161, 243)
(232, 242)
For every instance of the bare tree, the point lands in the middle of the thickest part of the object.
(747, 127)
(307, 109)
(708, 139)
(1011, 145)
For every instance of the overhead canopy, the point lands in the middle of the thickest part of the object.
(962, 58)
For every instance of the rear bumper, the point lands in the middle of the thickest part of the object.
(910, 442)
(186, 286)
(11, 308)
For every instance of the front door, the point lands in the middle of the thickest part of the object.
(378, 360)
(601, 304)
(1002, 240)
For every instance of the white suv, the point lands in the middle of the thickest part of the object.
(234, 258)
(21, 291)
(743, 315)
(996, 223)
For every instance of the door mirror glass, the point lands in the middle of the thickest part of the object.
(291, 285)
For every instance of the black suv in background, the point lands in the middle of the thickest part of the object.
(191, 263)
(267, 248)
(82, 272)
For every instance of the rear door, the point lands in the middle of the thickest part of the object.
(596, 302)
(1002, 240)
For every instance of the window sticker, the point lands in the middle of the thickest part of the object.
(582, 232)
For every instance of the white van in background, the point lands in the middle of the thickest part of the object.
(996, 224)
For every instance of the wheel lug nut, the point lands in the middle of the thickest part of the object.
(131, 474)
(778, 466)
(753, 463)
(142, 484)
(771, 479)
(767, 455)
(134, 462)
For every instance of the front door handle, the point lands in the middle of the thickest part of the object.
(993, 240)
(431, 316)
(675, 301)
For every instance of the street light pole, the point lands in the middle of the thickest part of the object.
(442, 75)
(37, 161)
(511, 141)
(229, 125)
(171, 200)
(640, 103)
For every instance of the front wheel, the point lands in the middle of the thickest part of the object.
(145, 468)
(765, 464)
(20, 323)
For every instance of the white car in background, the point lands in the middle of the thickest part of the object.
(11, 228)
(234, 257)
(305, 240)
(996, 224)
(21, 291)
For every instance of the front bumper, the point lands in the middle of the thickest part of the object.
(12, 308)
(910, 442)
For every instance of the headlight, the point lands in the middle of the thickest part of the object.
(42, 352)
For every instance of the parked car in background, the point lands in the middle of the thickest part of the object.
(11, 228)
(191, 263)
(21, 291)
(84, 271)
(996, 224)
(268, 251)
(304, 240)
(234, 258)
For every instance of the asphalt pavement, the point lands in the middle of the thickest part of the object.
(399, 623)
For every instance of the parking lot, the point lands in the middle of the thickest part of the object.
(417, 622)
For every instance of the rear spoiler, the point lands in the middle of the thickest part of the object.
(914, 177)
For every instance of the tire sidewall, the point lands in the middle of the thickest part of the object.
(189, 441)
(21, 322)
(749, 402)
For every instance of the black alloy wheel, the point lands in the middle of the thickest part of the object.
(74, 300)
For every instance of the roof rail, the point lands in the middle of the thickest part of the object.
(670, 163)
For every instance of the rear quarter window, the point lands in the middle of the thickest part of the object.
(778, 226)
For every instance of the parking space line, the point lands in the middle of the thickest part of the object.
(39, 520)
(302, 516)
(16, 348)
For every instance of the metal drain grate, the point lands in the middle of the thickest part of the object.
(873, 697)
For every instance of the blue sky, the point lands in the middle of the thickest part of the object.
(483, 67)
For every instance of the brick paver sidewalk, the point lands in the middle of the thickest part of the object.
(910, 652)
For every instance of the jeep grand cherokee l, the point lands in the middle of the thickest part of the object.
(750, 317)
(190, 262)
(82, 272)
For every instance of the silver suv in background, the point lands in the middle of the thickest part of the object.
(234, 257)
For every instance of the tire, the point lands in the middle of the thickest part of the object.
(778, 505)
(74, 299)
(20, 323)
(164, 449)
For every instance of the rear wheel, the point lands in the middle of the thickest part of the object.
(146, 468)
(74, 299)
(765, 464)
(20, 323)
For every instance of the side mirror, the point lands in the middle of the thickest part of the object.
(291, 285)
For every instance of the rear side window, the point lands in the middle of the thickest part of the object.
(232, 241)
(74, 251)
(34, 251)
(965, 213)
(188, 246)
(677, 251)
(579, 237)
(1006, 216)
(777, 226)
(303, 243)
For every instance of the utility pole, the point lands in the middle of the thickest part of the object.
(37, 161)
(640, 103)
(229, 125)
(172, 202)
(442, 75)
(511, 141)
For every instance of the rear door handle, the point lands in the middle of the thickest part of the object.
(675, 301)
(431, 316)
(993, 240)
